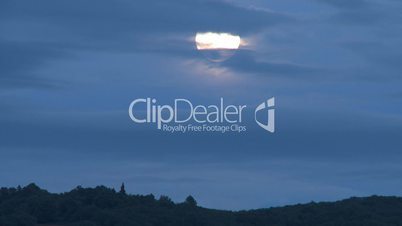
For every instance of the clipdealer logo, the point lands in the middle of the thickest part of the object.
(183, 116)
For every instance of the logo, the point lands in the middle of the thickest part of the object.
(184, 116)
(268, 105)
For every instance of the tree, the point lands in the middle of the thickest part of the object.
(122, 189)
(165, 200)
(190, 201)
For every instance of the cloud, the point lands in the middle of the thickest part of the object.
(365, 12)
(346, 4)
(358, 17)
(104, 19)
(35, 33)
(244, 61)
(382, 56)
(19, 61)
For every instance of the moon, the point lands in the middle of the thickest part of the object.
(211, 40)
(217, 47)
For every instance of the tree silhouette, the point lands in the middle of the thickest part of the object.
(122, 189)
(102, 206)
(165, 200)
(191, 201)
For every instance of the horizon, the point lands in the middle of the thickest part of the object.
(156, 198)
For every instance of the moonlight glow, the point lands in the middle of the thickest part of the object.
(217, 41)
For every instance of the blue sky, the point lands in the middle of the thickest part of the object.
(69, 70)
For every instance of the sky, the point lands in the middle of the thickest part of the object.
(69, 70)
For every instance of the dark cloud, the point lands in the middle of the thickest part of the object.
(346, 4)
(365, 12)
(118, 26)
(359, 17)
(244, 61)
(381, 55)
(107, 19)
(20, 60)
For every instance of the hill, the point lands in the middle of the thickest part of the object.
(102, 206)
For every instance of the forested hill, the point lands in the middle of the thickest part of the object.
(103, 206)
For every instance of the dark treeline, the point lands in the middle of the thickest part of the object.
(105, 207)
